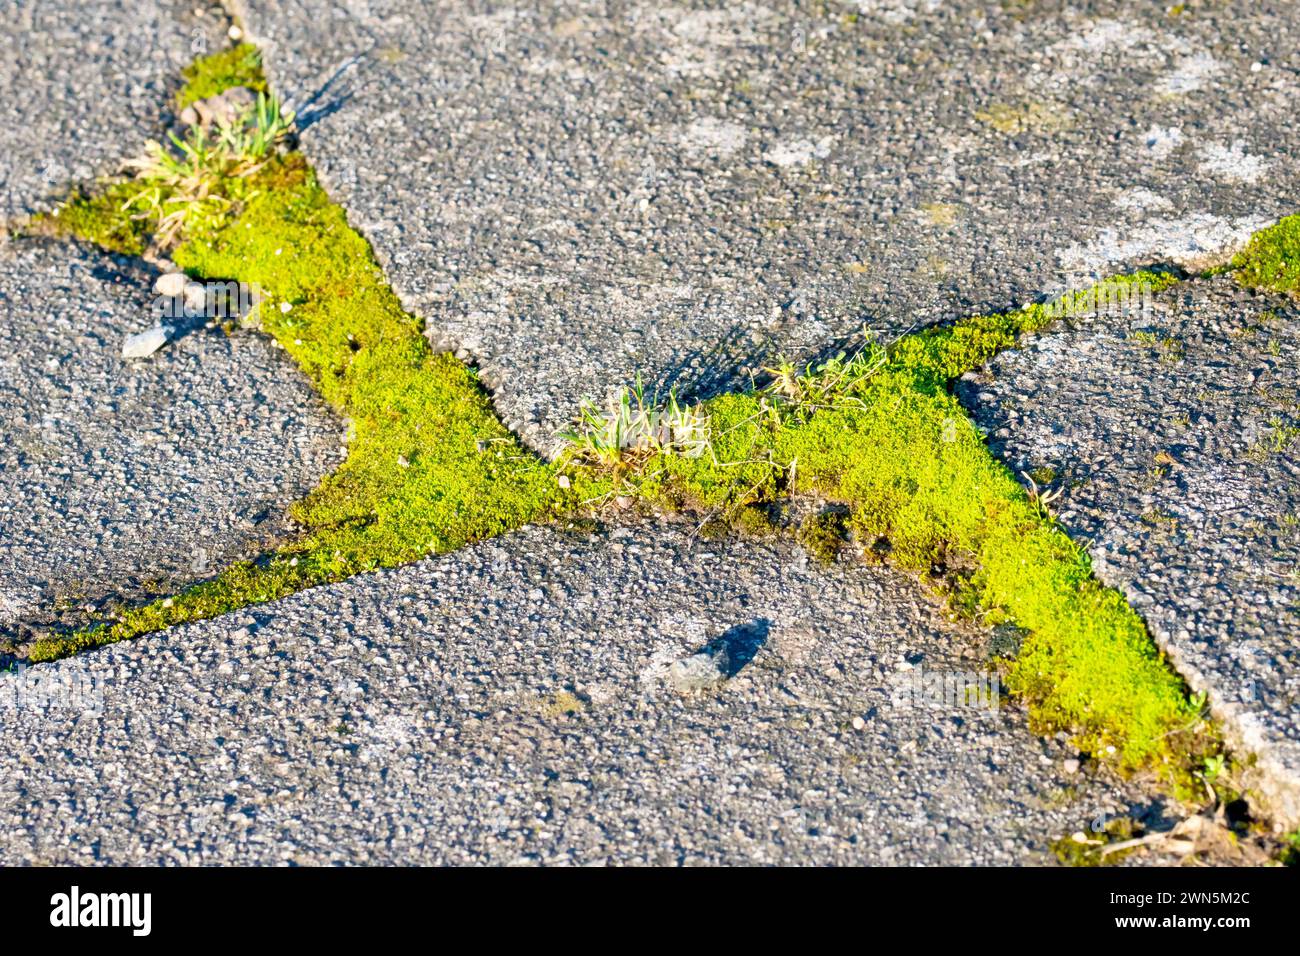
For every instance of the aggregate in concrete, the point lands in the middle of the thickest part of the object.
(513, 703)
(574, 192)
(116, 472)
(85, 85)
(1173, 433)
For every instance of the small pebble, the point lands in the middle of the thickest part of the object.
(235, 33)
(145, 343)
(285, 307)
(698, 672)
(1071, 765)
(171, 284)
(858, 723)
(563, 481)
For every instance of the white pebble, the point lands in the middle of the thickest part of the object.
(170, 284)
(145, 343)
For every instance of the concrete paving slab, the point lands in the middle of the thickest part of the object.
(574, 192)
(115, 472)
(525, 701)
(1174, 433)
(85, 84)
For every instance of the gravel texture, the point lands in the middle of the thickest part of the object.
(515, 703)
(571, 192)
(1175, 434)
(115, 472)
(85, 84)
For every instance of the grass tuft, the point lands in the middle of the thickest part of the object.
(631, 425)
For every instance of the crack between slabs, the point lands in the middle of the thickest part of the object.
(433, 468)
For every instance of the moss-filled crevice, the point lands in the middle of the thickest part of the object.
(240, 65)
(881, 435)
(878, 439)
(430, 467)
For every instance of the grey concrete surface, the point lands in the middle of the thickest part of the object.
(573, 192)
(1174, 434)
(115, 472)
(85, 84)
(512, 703)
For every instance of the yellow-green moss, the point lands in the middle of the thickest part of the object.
(899, 451)
(1272, 259)
(822, 535)
(754, 522)
(238, 66)
(1290, 855)
(100, 218)
(1090, 851)
(430, 467)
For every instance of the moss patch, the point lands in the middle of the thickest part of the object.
(101, 218)
(1089, 849)
(238, 66)
(881, 435)
(755, 522)
(822, 535)
(1290, 855)
(430, 467)
(1271, 260)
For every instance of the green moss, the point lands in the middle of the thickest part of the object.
(238, 66)
(1272, 259)
(1012, 119)
(946, 352)
(822, 535)
(1088, 851)
(892, 445)
(1290, 855)
(103, 218)
(562, 704)
(430, 467)
(754, 522)
(1044, 475)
